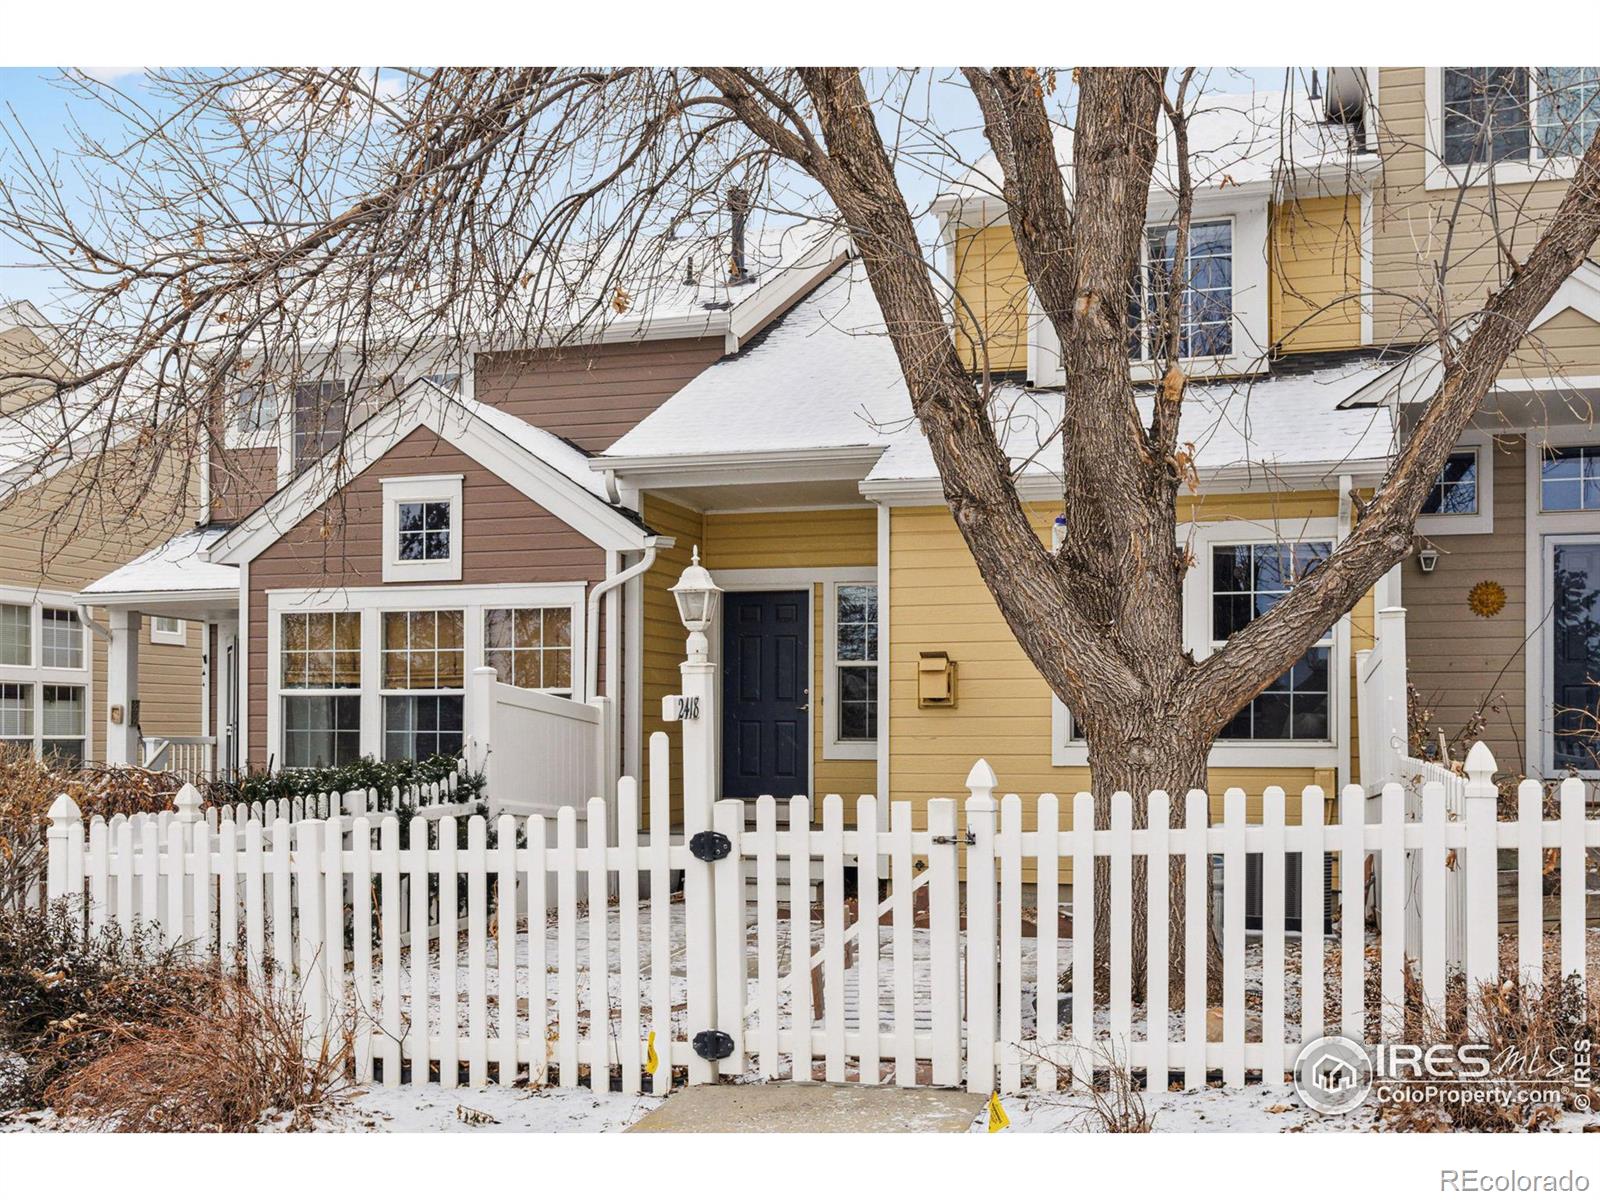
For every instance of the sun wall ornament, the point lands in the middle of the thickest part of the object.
(1486, 598)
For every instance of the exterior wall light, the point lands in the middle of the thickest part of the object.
(696, 595)
(1428, 559)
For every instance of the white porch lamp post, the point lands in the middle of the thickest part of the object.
(696, 595)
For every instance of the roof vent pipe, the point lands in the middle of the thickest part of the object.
(739, 210)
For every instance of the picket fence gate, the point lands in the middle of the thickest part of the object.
(578, 962)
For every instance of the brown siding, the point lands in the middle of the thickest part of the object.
(592, 395)
(1456, 659)
(505, 538)
(241, 480)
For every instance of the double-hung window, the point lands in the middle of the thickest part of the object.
(318, 420)
(320, 679)
(1205, 313)
(530, 647)
(1247, 579)
(855, 663)
(1518, 114)
(44, 678)
(424, 681)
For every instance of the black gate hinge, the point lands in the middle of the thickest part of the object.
(713, 1045)
(961, 839)
(710, 846)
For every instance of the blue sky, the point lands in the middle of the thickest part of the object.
(34, 101)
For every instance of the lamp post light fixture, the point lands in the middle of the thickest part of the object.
(696, 595)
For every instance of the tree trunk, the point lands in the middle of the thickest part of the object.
(1150, 752)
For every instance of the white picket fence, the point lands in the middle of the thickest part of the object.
(575, 957)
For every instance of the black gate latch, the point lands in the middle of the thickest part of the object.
(710, 846)
(712, 1044)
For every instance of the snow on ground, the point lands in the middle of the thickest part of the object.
(433, 1109)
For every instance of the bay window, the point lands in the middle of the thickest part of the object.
(423, 683)
(320, 677)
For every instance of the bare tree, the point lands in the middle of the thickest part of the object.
(252, 218)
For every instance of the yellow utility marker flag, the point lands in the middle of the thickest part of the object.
(997, 1114)
(652, 1062)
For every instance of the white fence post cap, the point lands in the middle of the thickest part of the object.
(65, 810)
(981, 780)
(187, 803)
(1480, 762)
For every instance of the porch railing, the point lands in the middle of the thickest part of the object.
(192, 757)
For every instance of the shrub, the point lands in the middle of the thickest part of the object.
(1531, 1032)
(382, 776)
(238, 1061)
(65, 996)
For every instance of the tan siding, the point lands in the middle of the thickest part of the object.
(83, 523)
(1315, 265)
(1456, 659)
(993, 313)
(505, 538)
(1411, 224)
(592, 395)
(938, 601)
(1568, 343)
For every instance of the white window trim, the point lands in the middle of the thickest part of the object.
(1482, 521)
(373, 602)
(420, 489)
(38, 676)
(1442, 175)
(1542, 529)
(168, 637)
(1247, 215)
(1197, 640)
(833, 747)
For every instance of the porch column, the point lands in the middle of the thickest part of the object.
(122, 688)
(226, 696)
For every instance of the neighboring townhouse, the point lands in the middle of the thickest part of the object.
(69, 512)
(348, 599)
(768, 425)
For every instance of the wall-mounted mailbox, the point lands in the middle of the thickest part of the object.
(936, 680)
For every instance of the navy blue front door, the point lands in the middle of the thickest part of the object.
(766, 640)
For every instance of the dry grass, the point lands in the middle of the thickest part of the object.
(245, 1059)
(28, 787)
(1531, 1033)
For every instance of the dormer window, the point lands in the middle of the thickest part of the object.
(1206, 313)
(422, 528)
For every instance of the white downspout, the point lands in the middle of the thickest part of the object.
(591, 629)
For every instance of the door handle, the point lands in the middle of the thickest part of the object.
(803, 708)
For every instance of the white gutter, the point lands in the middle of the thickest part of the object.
(591, 630)
(105, 634)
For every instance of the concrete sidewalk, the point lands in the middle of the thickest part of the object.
(812, 1108)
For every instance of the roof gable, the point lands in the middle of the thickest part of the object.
(546, 470)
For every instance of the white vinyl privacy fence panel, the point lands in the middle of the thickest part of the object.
(467, 951)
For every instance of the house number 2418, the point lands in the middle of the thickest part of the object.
(680, 708)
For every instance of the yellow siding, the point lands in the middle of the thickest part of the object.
(754, 541)
(939, 601)
(663, 632)
(827, 537)
(992, 311)
(1315, 268)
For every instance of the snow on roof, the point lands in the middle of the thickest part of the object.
(549, 449)
(1234, 138)
(823, 376)
(1258, 426)
(176, 566)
